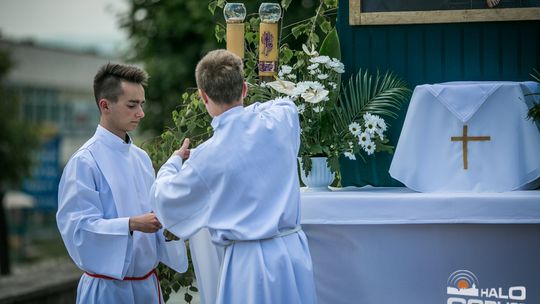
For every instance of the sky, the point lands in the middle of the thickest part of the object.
(85, 24)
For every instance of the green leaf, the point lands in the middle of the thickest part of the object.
(188, 297)
(285, 4)
(331, 46)
(380, 95)
(298, 30)
(326, 26)
(219, 32)
(212, 6)
(286, 55)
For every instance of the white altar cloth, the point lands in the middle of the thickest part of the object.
(394, 245)
(501, 150)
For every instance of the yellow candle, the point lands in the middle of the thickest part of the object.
(268, 49)
(235, 38)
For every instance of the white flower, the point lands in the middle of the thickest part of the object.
(355, 129)
(310, 84)
(322, 76)
(320, 59)
(286, 69)
(313, 66)
(318, 109)
(371, 126)
(263, 84)
(371, 123)
(367, 116)
(336, 65)
(381, 124)
(284, 87)
(314, 95)
(311, 52)
(291, 76)
(351, 145)
(369, 148)
(349, 155)
(364, 138)
(301, 108)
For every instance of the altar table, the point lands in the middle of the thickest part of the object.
(397, 246)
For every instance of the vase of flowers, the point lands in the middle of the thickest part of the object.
(320, 176)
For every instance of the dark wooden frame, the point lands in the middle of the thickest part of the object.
(357, 17)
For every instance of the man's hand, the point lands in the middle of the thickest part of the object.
(147, 223)
(169, 236)
(184, 151)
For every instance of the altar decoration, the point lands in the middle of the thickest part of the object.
(331, 125)
(269, 14)
(234, 14)
(469, 137)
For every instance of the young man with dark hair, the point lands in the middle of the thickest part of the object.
(104, 214)
(242, 184)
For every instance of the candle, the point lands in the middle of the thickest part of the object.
(270, 13)
(234, 14)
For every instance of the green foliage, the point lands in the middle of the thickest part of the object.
(534, 112)
(19, 138)
(365, 93)
(331, 46)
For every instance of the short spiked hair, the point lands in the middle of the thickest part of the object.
(108, 80)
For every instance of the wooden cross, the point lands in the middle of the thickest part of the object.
(465, 139)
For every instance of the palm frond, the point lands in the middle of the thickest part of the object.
(379, 94)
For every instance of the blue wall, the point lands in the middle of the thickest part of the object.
(432, 53)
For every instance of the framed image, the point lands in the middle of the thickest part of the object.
(379, 12)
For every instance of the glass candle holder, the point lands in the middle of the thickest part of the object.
(270, 12)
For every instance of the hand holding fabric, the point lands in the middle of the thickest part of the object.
(147, 223)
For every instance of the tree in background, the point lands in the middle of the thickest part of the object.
(17, 141)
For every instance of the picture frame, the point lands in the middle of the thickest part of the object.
(357, 17)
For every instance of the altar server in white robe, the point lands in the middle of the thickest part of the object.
(242, 184)
(104, 213)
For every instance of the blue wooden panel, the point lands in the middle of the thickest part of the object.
(432, 53)
(491, 51)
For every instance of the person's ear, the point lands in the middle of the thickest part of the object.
(244, 90)
(103, 104)
(204, 97)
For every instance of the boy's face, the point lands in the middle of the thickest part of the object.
(125, 114)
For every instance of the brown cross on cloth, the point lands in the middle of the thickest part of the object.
(465, 139)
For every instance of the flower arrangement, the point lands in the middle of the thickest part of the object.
(313, 80)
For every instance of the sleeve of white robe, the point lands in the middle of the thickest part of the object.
(180, 198)
(96, 244)
(173, 253)
(277, 108)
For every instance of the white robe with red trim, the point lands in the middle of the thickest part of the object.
(104, 183)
